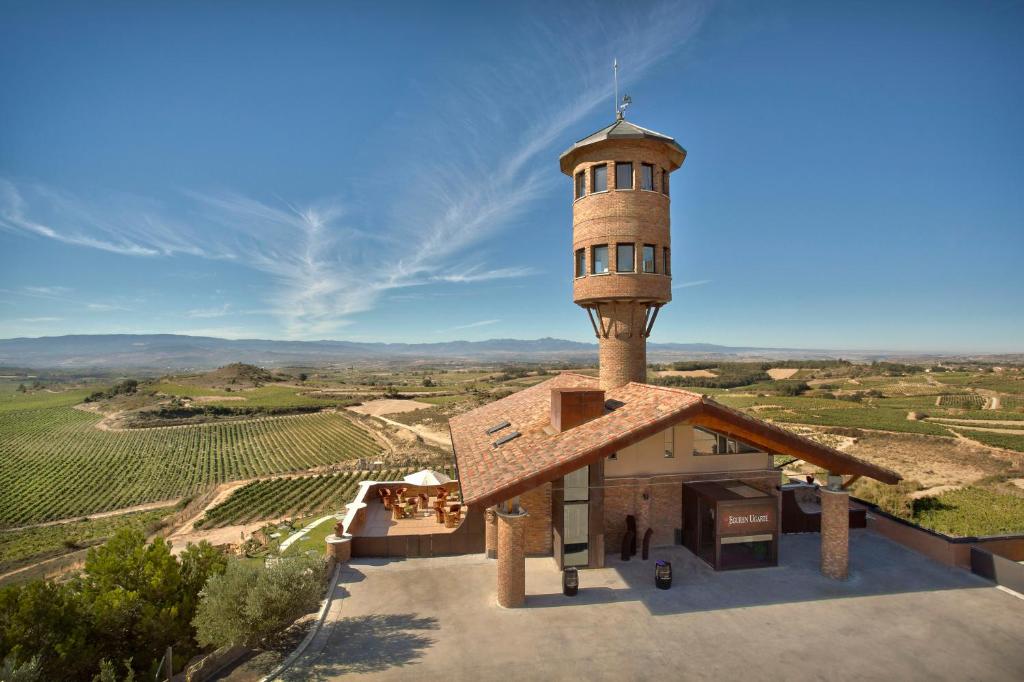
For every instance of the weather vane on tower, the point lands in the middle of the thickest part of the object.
(620, 107)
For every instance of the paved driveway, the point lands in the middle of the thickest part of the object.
(899, 617)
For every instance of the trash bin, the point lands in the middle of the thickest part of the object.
(570, 581)
(663, 575)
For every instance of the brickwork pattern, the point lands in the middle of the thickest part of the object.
(662, 512)
(631, 216)
(835, 533)
(623, 350)
(511, 559)
(537, 503)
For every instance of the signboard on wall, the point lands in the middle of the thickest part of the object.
(748, 518)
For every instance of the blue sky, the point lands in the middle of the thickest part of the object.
(389, 171)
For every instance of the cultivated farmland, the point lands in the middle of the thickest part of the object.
(54, 464)
(294, 496)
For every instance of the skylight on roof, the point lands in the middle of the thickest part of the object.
(505, 439)
(498, 427)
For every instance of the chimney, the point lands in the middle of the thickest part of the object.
(571, 407)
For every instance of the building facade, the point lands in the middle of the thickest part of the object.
(579, 467)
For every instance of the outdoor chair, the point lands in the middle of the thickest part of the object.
(401, 493)
(439, 514)
(456, 508)
(451, 520)
(397, 512)
(424, 502)
(388, 502)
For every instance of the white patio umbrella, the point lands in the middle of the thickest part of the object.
(426, 478)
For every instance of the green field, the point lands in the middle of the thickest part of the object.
(1008, 441)
(271, 396)
(971, 511)
(55, 464)
(28, 545)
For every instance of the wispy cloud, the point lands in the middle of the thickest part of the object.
(105, 307)
(40, 319)
(695, 283)
(210, 312)
(48, 291)
(471, 325)
(484, 161)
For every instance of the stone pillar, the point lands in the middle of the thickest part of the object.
(511, 558)
(835, 533)
(340, 547)
(491, 533)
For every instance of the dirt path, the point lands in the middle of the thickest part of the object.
(101, 515)
(379, 408)
(435, 437)
(970, 423)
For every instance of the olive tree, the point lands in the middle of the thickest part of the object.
(251, 602)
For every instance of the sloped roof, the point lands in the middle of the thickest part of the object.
(490, 474)
(622, 129)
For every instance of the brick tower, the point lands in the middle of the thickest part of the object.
(622, 271)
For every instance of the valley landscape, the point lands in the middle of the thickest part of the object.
(256, 445)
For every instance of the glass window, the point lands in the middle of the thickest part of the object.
(624, 176)
(600, 178)
(581, 262)
(647, 176)
(576, 528)
(581, 184)
(666, 261)
(670, 443)
(625, 258)
(648, 261)
(711, 443)
(577, 485)
(664, 182)
(599, 259)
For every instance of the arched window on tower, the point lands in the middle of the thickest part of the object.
(600, 174)
(581, 184)
(581, 262)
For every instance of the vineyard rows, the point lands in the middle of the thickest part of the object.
(54, 464)
(965, 401)
(297, 496)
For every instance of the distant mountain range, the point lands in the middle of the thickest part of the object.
(179, 352)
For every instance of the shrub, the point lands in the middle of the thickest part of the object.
(251, 602)
(892, 499)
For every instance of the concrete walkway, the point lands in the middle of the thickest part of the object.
(899, 617)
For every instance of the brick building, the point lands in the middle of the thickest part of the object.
(576, 467)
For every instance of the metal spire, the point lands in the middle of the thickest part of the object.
(620, 108)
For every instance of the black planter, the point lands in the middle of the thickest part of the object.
(662, 575)
(570, 581)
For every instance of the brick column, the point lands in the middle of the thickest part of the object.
(491, 533)
(835, 533)
(511, 559)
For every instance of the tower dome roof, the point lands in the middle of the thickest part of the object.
(622, 129)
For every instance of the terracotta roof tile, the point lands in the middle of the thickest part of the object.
(488, 473)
